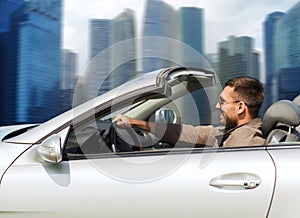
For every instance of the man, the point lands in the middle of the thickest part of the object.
(239, 104)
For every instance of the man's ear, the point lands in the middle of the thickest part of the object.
(241, 107)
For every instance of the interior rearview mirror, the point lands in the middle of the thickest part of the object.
(165, 116)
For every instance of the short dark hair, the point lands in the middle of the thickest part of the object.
(248, 90)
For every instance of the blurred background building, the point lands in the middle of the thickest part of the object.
(191, 32)
(68, 78)
(124, 59)
(7, 7)
(237, 58)
(159, 23)
(112, 53)
(269, 27)
(100, 56)
(287, 54)
(282, 54)
(32, 62)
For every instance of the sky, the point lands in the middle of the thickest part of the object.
(222, 19)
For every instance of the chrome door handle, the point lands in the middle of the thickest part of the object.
(236, 181)
(247, 184)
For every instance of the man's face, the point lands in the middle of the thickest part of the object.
(228, 107)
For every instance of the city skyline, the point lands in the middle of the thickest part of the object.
(222, 19)
(164, 26)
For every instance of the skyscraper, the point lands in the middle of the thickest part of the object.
(288, 81)
(32, 67)
(69, 69)
(287, 38)
(287, 54)
(7, 7)
(107, 68)
(191, 30)
(269, 45)
(159, 24)
(191, 34)
(124, 48)
(99, 67)
(68, 78)
(237, 58)
(100, 36)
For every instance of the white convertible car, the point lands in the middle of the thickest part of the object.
(79, 165)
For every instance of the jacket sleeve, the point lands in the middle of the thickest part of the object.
(186, 134)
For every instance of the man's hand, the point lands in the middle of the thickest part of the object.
(122, 121)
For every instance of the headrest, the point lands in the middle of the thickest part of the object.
(297, 100)
(284, 111)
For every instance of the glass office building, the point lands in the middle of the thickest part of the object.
(112, 62)
(99, 68)
(159, 24)
(191, 34)
(32, 74)
(8, 65)
(7, 7)
(269, 26)
(288, 81)
(287, 54)
(191, 31)
(100, 36)
(287, 37)
(269, 42)
(124, 48)
(237, 58)
(69, 69)
(68, 78)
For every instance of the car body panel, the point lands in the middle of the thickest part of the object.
(287, 193)
(10, 152)
(92, 186)
(6, 130)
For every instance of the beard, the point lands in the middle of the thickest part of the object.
(228, 122)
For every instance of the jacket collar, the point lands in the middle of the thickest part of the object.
(255, 123)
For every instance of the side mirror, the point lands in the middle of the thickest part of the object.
(50, 150)
(165, 116)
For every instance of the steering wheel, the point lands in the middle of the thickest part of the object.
(137, 137)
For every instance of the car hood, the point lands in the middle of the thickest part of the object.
(14, 130)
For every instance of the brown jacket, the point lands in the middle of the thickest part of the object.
(248, 134)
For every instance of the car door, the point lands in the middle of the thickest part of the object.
(165, 183)
(287, 194)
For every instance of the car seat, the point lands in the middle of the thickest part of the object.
(296, 100)
(280, 122)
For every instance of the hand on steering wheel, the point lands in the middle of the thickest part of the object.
(141, 138)
(128, 135)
